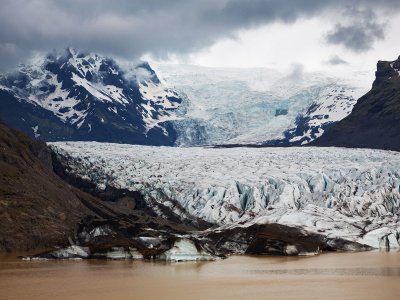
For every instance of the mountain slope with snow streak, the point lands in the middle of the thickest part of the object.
(347, 193)
(85, 96)
(332, 104)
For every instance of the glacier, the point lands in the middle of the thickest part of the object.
(258, 105)
(339, 193)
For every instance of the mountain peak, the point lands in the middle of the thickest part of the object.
(387, 72)
(88, 94)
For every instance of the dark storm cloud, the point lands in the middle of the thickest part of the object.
(360, 34)
(336, 60)
(129, 28)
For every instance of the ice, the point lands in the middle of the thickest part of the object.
(226, 106)
(71, 252)
(337, 191)
(185, 250)
(120, 253)
(383, 238)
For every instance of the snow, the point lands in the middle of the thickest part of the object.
(39, 77)
(135, 254)
(157, 105)
(35, 131)
(118, 253)
(329, 105)
(332, 104)
(105, 93)
(340, 192)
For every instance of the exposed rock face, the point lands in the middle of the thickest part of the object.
(375, 119)
(37, 209)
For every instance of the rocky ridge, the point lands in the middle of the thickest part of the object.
(374, 121)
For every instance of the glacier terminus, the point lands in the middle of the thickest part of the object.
(348, 198)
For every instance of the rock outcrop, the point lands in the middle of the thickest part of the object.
(37, 208)
(375, 119)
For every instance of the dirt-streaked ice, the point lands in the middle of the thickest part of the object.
(347, 193)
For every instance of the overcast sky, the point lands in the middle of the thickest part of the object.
(316, 34)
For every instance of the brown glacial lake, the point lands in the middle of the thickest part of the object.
(365, 275)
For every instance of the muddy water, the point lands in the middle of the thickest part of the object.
(368, 275)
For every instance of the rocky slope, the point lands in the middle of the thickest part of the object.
(84, 96)
(37, 209)
(375, 119)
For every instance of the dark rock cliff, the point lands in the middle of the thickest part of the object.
(375, 119)
(37, 209)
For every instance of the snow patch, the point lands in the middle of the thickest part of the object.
(35, 131)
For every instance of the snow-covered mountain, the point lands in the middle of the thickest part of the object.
(84, 96)
(352, 194)
(233, 106)
(329, 104)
